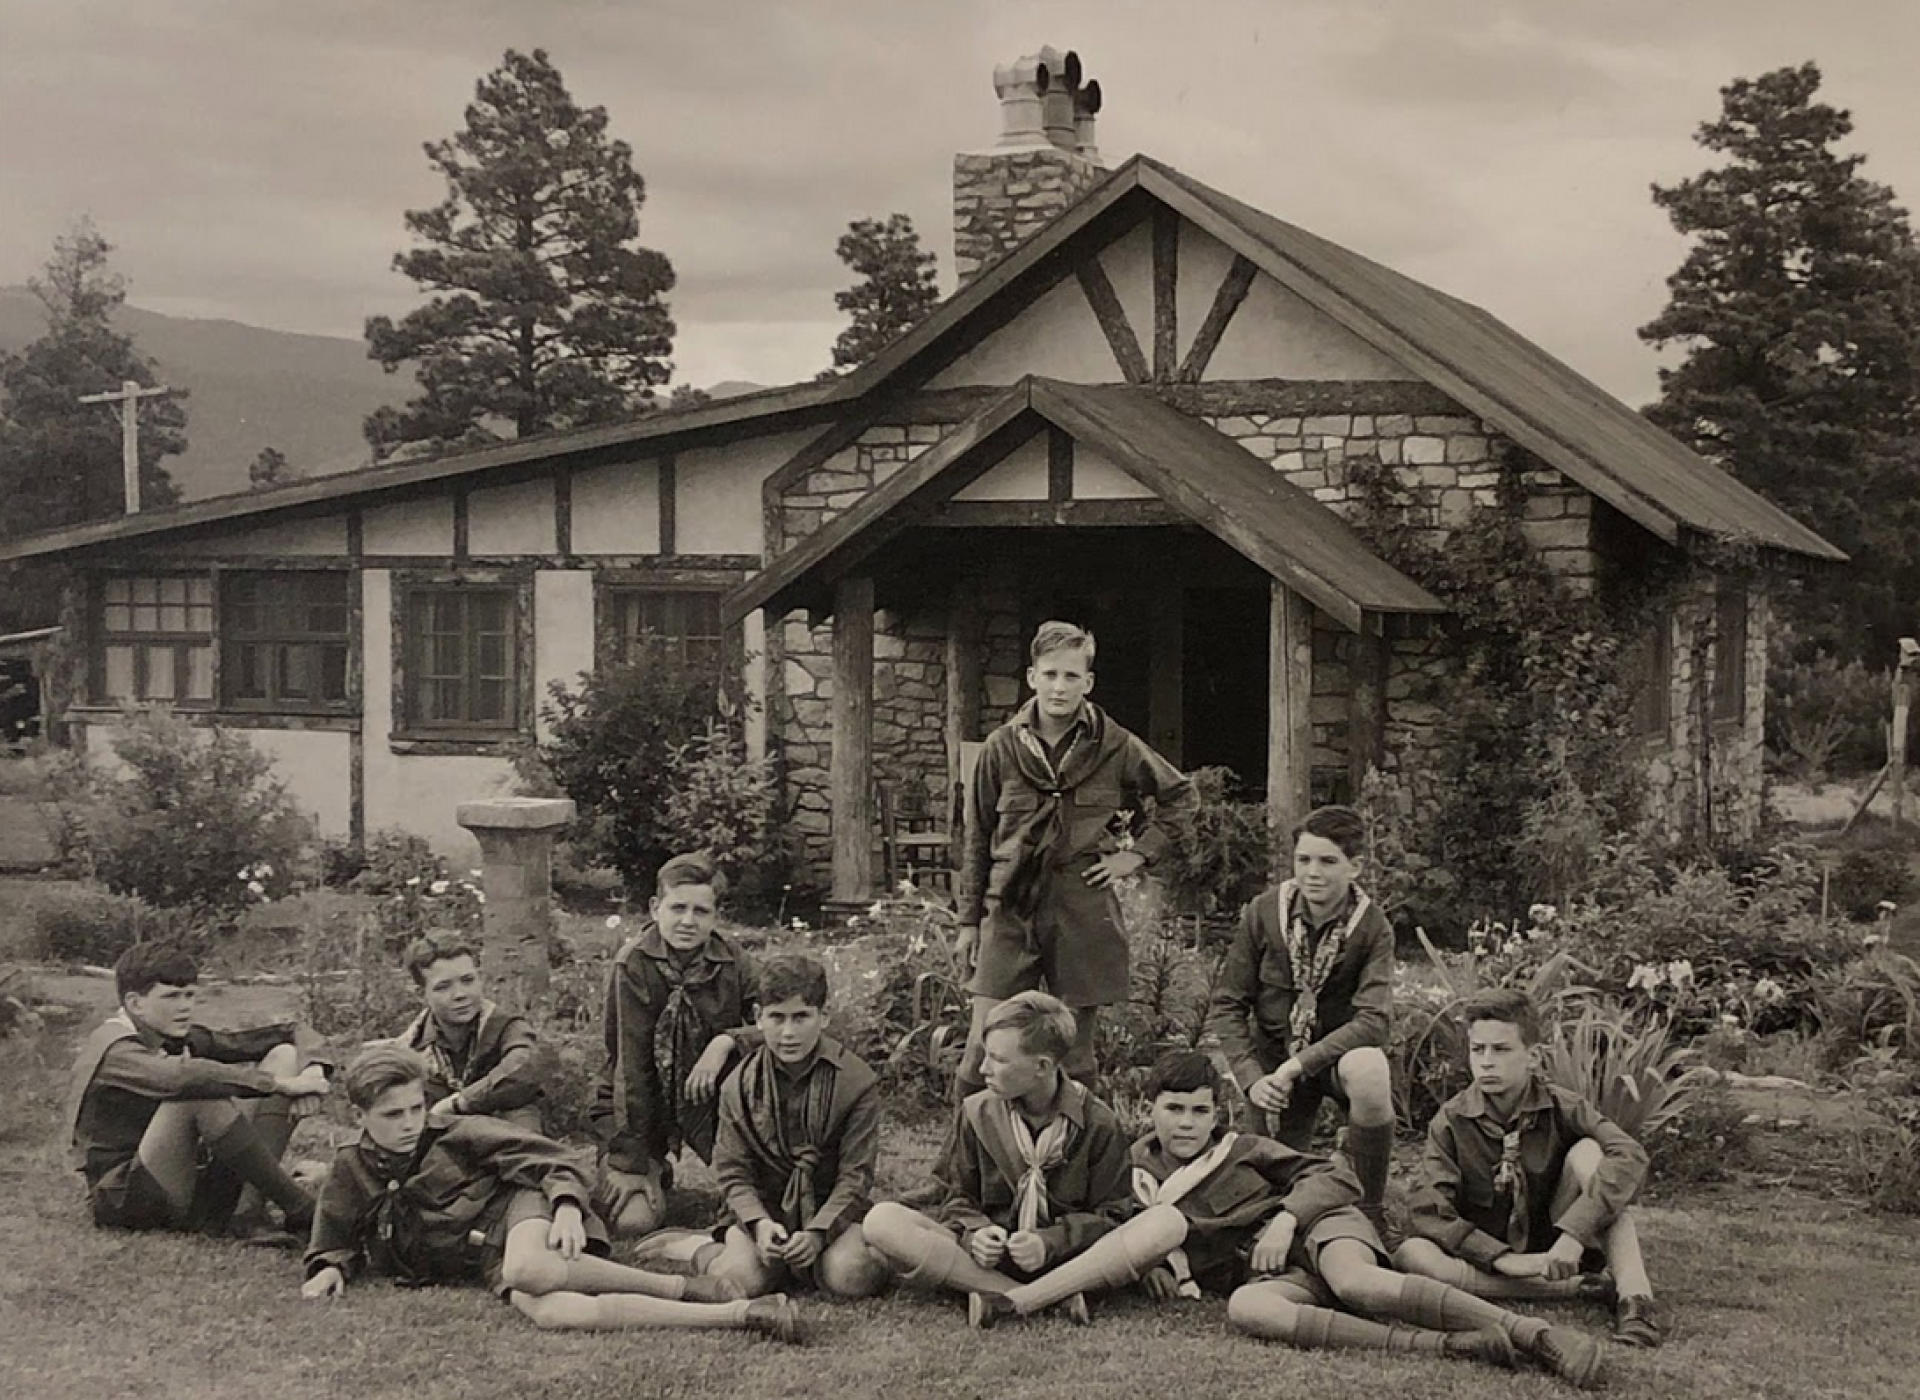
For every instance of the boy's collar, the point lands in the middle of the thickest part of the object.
(1474, 1103)
(431, 1032)
(1069, 1101)
(1342, 910)
(1028, 717)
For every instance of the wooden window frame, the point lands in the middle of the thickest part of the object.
(146, 641)
(1653, 704)
(410, 592)
(616, 590)
(233, 637)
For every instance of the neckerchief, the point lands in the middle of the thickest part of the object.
(1038, 837)
(763, 1094)
(1149, 1190)
(389, 1220)
(1313, 962)
(429, 1039)
(110, 1032)
(1511, 1176)
(1031, 1205)
(680, 1037)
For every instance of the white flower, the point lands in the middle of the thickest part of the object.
(1543, 913)
(246, 873)
(613, 921)
(799, 924)
(1727, 1018)
(558, 140)
(1886, 908)
(474, 873)
(479, 898)
(1646, 975)
(255, 887)
(1680, 971)
(1769, 990)
(412, 880)
(437, 887)
(263, 870)
(906, 886)
(877, 910)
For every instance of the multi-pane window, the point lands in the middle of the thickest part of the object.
(668, 624)
(284, 640)
(156, 639)
(462, 668)
(1730, 651)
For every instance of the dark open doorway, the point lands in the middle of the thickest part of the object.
(1224, 639)
(1123, 656)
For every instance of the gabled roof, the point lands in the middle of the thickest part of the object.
(1490, 369)
(1205, 475)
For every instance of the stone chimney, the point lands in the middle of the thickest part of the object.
(1045, 158)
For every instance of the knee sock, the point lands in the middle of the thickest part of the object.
(1431, 1303)
(1486, 1284)
(620, 1311)
(241, 1149)
(589, 1274)
(1112, 1261)
(936, 1260)
(1315, 1328)
(1370, 1149)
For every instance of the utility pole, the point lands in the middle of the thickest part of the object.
(126, 406)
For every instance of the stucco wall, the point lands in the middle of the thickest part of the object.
(318, 536)
(423, 526)
(516, 519)
(616, 509)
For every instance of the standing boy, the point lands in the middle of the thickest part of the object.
(1061, 810)
(1278, 1229)
(1525, 1187)
(480, 1057)
(679, 1000)
(482, 1199)
(798, 1141)
(1304, 1002)
(170, 1120)
(1035, 1176)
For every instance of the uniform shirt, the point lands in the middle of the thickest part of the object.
(634, 1114)
(1253, 999)
(126, 1070)
(1458, 1203)
(416, 1218)
(1088, 1193)
(1258, 1179)
(496, 1069)
(1003, 799)
(752, 1183)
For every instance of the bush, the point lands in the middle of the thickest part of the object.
(1224, 850)
(1627, 1067)
(96, 927)
(1704, 1144)
(1871, 866)
(1824, 718)
(391, 860)
(655, 767)
(1870, 1004)
(918, 1029)
(197, 821)
(1174, 975)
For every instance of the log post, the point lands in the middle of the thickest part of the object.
(516, 854)
(1289, 708)
(1367, 706)
(966, 645)
(1903, 681)
(853, 740)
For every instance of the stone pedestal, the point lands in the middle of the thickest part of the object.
(516, 852)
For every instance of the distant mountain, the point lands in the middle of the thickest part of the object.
(252, 388)
(249, 388)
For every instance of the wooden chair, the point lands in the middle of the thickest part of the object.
(913, 846)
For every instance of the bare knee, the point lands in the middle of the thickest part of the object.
(1260, 1308)
(1367, 1081)
(639, 1216)
(530, 1267)
(851, 1268)
(1367, 1288)
(283, 1060)
(1583, 1160)
(558, 1312)
(1418, 1256)
(1158, 1229)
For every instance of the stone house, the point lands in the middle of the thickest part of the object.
(1148, 407)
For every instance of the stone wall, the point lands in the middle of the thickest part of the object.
(1002, 198)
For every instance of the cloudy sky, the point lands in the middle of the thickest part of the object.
(251, 160)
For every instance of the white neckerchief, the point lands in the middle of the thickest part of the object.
(1151, 1191)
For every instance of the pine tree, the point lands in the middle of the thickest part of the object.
(270, 468)
(1798, 307)
(897, 286)
(546, 313)
(60, 459)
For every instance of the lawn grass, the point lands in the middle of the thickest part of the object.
(1777, 1296)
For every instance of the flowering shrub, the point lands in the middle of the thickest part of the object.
(922, 1010)
(192, 808)
(423, 903)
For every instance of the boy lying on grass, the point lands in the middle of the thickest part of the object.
(481, 1200)
(1279, 1230)
(1524, 1189)
(171, 1121)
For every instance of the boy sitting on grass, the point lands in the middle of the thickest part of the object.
(171, 1120)
(1304, 1005)
(1525, 1187)
(1278, 1229)
(1035, 1177)
(480, 1058)
(798, 1141)
(482, 1199)
(679, 1000)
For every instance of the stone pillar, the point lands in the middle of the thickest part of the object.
(516, 854)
